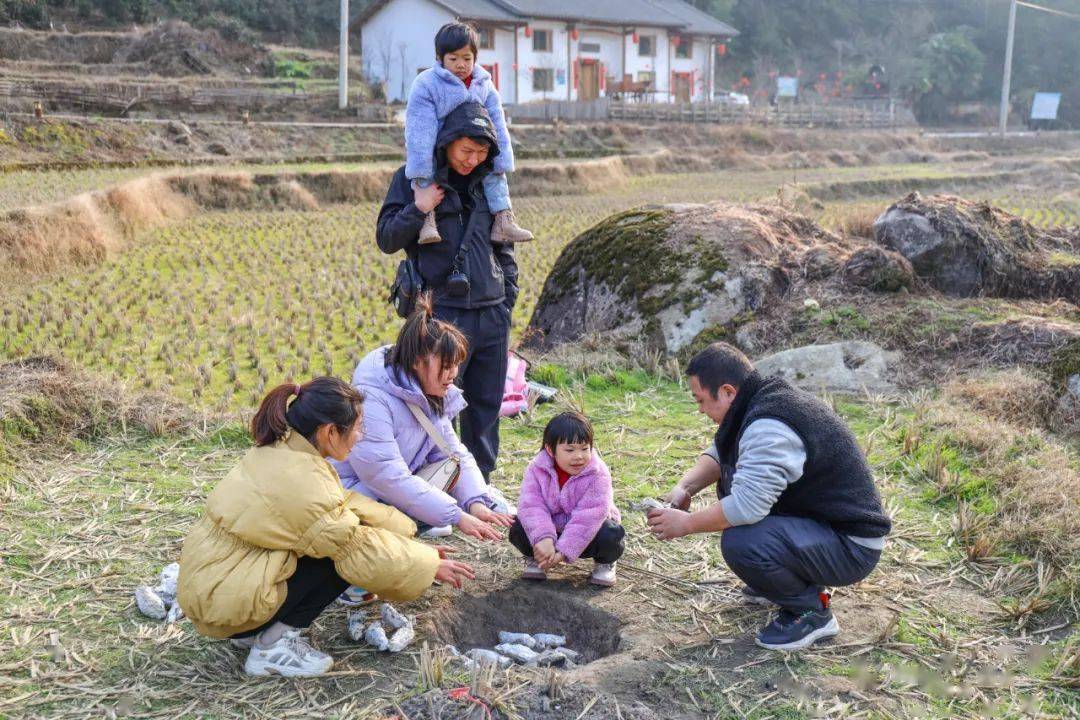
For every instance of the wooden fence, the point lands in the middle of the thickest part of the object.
(879, 115)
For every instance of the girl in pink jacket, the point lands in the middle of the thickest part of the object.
(566, 509)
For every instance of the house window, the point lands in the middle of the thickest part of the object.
(541, 41)
(647, 76)
(589, 47)
(685, 49)
(487, 37)
(647, 46)
(543, 79)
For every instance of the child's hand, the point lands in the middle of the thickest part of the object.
(482, 512)
(445, 550)
(427, 199)
(543, 550)
(552, 560)
(454, 572)
(477, 528)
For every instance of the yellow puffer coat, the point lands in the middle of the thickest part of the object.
(282, 501)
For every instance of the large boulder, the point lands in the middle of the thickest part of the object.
(966, 249)
(669, 277)
(854, 367)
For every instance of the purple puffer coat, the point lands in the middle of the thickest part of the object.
(394, 446)
(571, 515)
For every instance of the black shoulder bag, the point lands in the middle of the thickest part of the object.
(407, 286)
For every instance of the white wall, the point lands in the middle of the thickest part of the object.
(502, 55)
(697, 63)
(610, 53)
(658, 64)
(408, 24)
(528, 60)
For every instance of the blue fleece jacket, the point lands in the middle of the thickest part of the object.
(435, 92)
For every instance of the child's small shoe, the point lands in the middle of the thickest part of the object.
(533, 571)
(603, 574)
(430, 232)
(506, 230)
(356, 597)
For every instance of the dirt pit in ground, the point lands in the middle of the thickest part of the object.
(474, 621)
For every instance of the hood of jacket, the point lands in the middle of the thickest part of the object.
(471, 120)
(373, 372)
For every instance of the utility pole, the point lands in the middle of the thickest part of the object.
(343, 58)
(1003, 114)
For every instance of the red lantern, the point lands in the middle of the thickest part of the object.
(528, 31)
(676, 40)
(821, 76)
(721, 49)
(574, 34)
(635, 37)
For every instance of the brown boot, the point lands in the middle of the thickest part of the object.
(506, 230)
(430, 232)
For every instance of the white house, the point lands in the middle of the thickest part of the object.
(554, 49)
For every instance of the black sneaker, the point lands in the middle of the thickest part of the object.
(791, 630)
(754, 597)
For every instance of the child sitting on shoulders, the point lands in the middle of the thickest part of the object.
(566, 509)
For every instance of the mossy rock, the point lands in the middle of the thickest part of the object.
(656, 278)
(968, 249)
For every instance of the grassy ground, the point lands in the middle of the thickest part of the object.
(931, 633)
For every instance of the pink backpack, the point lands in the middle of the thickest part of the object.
(515, 391)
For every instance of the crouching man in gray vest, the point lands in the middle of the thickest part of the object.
(797, 504)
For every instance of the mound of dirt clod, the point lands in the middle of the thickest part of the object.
(175, 49)
(965, 248)
(671, 276)
(48, 400)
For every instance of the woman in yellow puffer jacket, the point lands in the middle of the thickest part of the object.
(281, 538)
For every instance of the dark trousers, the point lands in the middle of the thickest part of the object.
(606, 547)
(310, 590)
(482, 377)
(791, 559)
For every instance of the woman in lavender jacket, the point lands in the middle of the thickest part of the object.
(419, 369)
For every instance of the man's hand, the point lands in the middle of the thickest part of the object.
(427, 199)
(679, 498)
(477, 528)
(482, 512)
(669, 524)
(554, 559)
(543, 550)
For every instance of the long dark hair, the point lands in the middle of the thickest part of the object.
(322, 401)
(422, 336)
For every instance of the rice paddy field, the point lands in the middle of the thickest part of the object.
(969, 614)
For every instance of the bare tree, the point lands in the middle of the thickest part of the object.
(402, 49)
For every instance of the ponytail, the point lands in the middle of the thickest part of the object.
(322, 401)
(423, 335)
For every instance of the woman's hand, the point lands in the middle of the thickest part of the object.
(554, 559)
(454, 572)
(482, 512)
(427, 199)
(477, 528)
(445, 550)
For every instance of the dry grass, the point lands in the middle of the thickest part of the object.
(1021, 396)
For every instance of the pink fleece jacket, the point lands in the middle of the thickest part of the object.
(571, 515)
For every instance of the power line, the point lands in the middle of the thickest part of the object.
(1053, 11)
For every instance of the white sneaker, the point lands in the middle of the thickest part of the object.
(290, 656)
(603, 574)
(502, 505)
(533, 571)
(355, 597)
(438, 531)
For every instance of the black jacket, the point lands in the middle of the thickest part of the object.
(837, 485)
(491, 268)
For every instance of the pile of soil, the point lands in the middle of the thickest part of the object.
(175, 49)
(966, 249)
